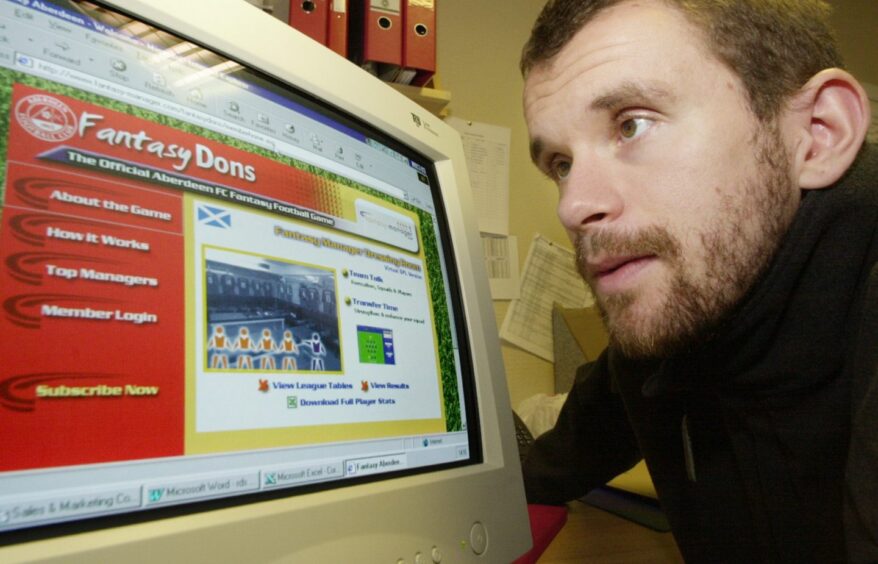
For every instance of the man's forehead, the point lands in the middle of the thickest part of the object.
(626, 25)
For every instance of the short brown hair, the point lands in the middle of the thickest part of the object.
(774, 46)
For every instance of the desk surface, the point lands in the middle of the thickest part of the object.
(595, 536)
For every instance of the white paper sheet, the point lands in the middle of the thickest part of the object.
(501, 262)
(486, 148)
(549, 277)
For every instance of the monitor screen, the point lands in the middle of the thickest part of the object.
(217, 287)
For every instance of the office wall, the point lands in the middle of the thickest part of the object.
(479, 42)
(856, 25)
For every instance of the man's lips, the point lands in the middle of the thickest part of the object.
(609, 265)
(617, 274)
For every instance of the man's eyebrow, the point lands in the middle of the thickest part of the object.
(536, 149)
(631, 93)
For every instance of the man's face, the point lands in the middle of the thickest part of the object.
(672, 192)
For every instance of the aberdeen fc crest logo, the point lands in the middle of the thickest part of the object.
(46, 118)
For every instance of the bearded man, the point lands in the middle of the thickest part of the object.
(714, 179)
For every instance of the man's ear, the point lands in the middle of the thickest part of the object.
(835, 113)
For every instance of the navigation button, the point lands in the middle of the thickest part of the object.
(158, 83)
(24, 61)
(232, 110)
(317, 142)
(196, 96)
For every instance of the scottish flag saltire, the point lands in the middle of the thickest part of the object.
(214, 217)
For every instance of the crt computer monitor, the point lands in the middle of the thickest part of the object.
(244, 314)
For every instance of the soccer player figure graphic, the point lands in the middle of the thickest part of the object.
(288, 348)
(318, 351)
(267, 346)
(218, 344)
(244, 345)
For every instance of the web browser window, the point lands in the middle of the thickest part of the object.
(211, 284)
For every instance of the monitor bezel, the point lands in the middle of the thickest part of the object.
(431, 138)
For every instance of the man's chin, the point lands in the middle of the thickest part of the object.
(637, 327)
(633, 341)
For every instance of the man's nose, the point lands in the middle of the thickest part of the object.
(589, 196)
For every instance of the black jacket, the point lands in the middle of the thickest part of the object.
(762, 444)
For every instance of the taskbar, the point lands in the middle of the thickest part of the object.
(43, 506)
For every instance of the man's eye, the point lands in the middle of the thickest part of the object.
(559, 169)
(634, 127)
